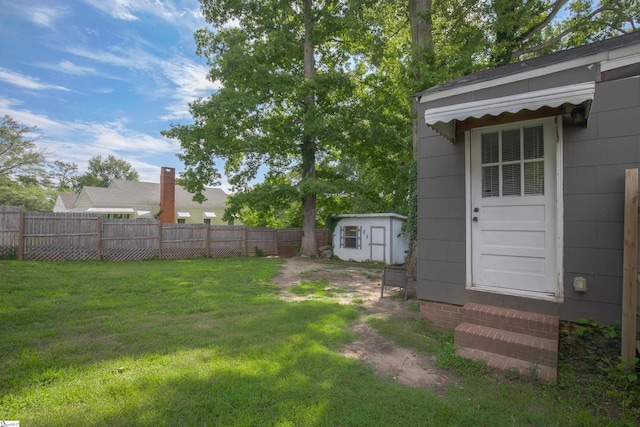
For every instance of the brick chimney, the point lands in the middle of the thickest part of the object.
(167, 213)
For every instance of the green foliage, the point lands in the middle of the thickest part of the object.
(347, 147)
(19, 153)
(63, 175)
(588, 350)
(624, 386)
(101, 171)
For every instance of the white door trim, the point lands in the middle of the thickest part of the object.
(559, 294)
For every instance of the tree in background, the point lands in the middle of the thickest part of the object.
(289, 75)
(23, 177)
(19, 153)
(63, 175)
(101, 171)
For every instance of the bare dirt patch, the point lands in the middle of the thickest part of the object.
(360, 285)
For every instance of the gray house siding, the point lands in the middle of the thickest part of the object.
(594, 163)
(441, 212)
(594, 158)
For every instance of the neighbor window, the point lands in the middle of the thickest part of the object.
(350, 237)
(181, 221)
(207, 221)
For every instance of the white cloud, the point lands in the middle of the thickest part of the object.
(71, 68)
(44, 16)
(79, 141)
(181, 13)
(191, 82)
(26, 82)
(177, 79)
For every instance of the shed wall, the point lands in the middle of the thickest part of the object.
(396, 242)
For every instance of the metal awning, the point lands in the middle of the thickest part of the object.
(443, 119)
(209, 214)
(110, 210)
(184, 214)
(143, 214)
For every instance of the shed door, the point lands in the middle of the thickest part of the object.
(513, 218)
(378, 243)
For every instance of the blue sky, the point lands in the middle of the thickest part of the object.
(100, 77)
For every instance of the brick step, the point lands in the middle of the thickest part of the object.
(523, 322)
(505, 363)
(532, 349)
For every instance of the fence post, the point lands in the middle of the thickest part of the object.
(159, 240)
(99, 251)
(277, 243)
(630, 271)
(244, 240)
(21, 236)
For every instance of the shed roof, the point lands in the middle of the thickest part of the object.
(373, 215)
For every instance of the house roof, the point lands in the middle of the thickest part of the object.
(126, 193)
(583, 55)
(68, 200)
(526, 85)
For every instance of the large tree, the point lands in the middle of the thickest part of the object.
(289, 72)
(23, 179)
(19, 152)
(101, 171)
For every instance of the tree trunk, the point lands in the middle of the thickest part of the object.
(421, 29)
(421, 42)
(308, 145)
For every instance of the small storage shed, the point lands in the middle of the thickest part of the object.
(521, 199)
(376, 237)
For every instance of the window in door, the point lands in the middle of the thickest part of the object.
(513, 162)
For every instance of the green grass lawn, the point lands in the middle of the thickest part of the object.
(207, 342)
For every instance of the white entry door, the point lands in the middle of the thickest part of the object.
(378, 244)
(513, 203)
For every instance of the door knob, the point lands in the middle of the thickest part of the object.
(475, 219)
(476, 209)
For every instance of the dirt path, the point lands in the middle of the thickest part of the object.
(361, 285)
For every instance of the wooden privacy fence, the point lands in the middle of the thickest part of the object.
(45, 236)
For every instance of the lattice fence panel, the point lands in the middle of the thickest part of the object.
(184, 241)
(124, 254)
(56, 237)
(9, 229)
(127, 240)
(224, 252)
(59, 253)
(226, 241)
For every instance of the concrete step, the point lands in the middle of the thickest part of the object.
(522, 322)
(529, 348)
(505, 363)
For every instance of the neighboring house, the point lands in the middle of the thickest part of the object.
(142, 200)
(521, 198)
(65, 202)
(370, 237)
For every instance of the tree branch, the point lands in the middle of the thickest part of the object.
(557, 38)
(556, 8)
